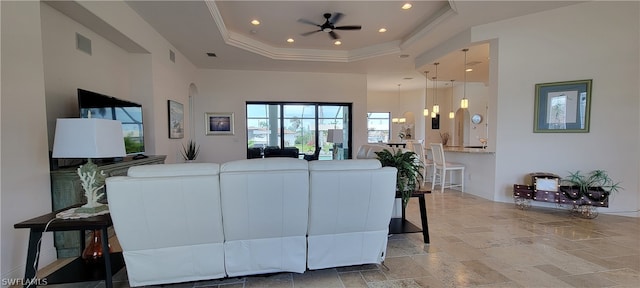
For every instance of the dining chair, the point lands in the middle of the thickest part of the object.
(440, 168)
(426, 163)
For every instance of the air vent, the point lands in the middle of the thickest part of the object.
(83, 43)
(172, 56)
(211, 54)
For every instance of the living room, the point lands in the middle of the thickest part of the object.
(41, 70)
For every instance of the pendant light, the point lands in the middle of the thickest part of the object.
(451, 114)
(425, 112)
(433, 113)
(436, 107)
(397, 120)
(464, 103)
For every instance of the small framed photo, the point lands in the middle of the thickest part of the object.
(562, 107)
(176, 120)
(218, 123)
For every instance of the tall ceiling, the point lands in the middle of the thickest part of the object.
(199, 27)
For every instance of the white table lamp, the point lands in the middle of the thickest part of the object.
(89, 138)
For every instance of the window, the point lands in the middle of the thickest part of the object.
(378, 126)
(305, 126)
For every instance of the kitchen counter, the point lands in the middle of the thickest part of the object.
(461, 149)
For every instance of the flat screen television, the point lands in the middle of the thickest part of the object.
(106, 107)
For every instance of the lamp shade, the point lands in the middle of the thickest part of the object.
(88, 138)
(334, 136)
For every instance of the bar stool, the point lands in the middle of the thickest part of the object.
(440, 168)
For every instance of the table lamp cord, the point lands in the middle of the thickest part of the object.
(35, 261)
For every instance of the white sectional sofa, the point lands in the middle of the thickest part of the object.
(197, 221)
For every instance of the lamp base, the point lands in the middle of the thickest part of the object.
(92, 210)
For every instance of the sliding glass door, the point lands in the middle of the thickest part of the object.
(306, 126)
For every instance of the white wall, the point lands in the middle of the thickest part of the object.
(155, 79)
(25, 188)
(594, 40)
(41, 71)
(228, 91)
(66, 69)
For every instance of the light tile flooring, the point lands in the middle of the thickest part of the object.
(479, 243)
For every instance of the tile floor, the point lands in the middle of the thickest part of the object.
(478, 243)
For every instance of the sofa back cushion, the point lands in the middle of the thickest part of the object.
(350, 208)
(265, 209)
(169, 214)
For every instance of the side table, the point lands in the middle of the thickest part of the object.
(402, 225)
(77, 270)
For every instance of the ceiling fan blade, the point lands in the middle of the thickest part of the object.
(350, 27)
(310, 32)
(305, 21)
(334, 35)
(336, 17)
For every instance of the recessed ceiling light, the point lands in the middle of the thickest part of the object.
(255, 22)
(382, 30)
(211, 54)
(407, 6)
(290, 40)
(337, 43)
(469, 70)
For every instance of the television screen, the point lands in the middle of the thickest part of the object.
(95, 105)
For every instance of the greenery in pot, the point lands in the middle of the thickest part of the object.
(409, 175)
(190, 152)
(596, 180)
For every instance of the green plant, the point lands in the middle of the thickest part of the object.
(596, 179)
(409, 175)
(191, 151)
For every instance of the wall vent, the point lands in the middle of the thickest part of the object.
(172, 56)
(83, 43)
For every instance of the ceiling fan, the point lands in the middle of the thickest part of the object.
(329, 25)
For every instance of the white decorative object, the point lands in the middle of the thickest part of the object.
(89, 138)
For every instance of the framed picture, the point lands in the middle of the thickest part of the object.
(218, 123)
(176, 120)
(562, 107)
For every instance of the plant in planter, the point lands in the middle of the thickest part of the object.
(595, 180)
(409, 167)
(596, 186)
(190, 152)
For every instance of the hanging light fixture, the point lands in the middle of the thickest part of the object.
(464, 103)
(433, 113)
(425, 112)
(451, 114)
(397, 120)
(436, 107)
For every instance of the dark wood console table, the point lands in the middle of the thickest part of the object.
(402, 225)
(77, 270)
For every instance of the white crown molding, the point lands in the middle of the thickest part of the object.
(393, 47)
(429, 25)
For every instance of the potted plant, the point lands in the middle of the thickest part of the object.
(409, 167)
(190, 152)
(587, 191)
